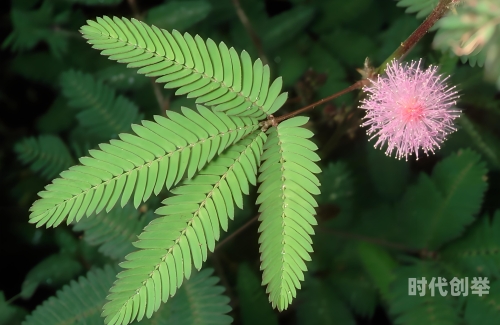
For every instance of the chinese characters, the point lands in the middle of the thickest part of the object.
(457, 287)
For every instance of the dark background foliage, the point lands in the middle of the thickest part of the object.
(380, 220)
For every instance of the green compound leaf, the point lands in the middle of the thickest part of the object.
(421, 310)
(287, 208)
(137, 166)
(198, 302)
(47, 155)
(53, 271)
(254, 307)
(484, 310)
(216, 76)
(178, 14)
(102, 112)
(114, 232)
(473, 33)
(31, 27)
(438, 208)
(421, 7)
(186, 232)
(478, 252)
(77, 302)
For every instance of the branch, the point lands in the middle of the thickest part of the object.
(237, 232)
(357, 85)
(439, 11)
(376, 241)
(248, 26)
(162, 102)
(135, 10)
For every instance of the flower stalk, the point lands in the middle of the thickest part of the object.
(439, 11)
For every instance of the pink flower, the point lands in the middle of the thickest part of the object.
(409, 108)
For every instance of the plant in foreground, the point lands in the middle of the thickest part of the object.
(207, 158)
(410, 108)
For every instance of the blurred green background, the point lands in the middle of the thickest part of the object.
(381, 220)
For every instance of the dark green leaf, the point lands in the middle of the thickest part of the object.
(437, 209)
(255, 308)
(319, 305)
(478, 251)
(179, 15)
(53, 271)
(9, 313)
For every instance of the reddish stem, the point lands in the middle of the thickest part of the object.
(357, 85)
(436, 14)
(439, 11)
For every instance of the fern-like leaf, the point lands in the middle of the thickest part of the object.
(31, 27)
(77, 302)
(484, 310)
(114, 232)
(47, 155)
(139, 165)
(473, 33)
(421, 7)
(421, 310)
(287, 208)
(80, 302)
(478, 252)
(216, 76)
(198, 302)
(187, 230)
(439, 207)
(102, 112)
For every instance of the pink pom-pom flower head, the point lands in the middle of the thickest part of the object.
(409, 108)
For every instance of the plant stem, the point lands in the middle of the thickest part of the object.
(439, 11)
(135, 10)
(162, 102)
(236, 232)
(248, 26)
(376, 241)
(12, 299)
(357, 85)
